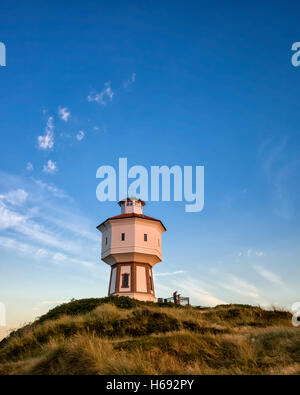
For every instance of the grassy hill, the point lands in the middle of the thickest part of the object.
(119, 335)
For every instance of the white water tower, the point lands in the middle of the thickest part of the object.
(131, 245)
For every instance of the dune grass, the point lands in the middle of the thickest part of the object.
(124, 336)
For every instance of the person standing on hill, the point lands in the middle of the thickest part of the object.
(175, 297)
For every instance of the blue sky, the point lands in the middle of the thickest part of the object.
(161, 83)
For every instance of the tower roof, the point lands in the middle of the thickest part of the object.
(130, 215)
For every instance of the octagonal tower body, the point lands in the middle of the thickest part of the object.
(131, 245)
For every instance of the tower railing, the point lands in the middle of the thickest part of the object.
(181, 300)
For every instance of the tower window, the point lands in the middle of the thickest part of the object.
(145, 237)
(125, 280)
(150, 279)
(106, 240)
(123, 236)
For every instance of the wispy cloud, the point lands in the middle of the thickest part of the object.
(280, 169)
(270, 153)
(41, 253)
(47, 140)
(80, 135)
(9, 218)
(190, 287)
(21, 247)
(240, 286)
(57, 192)
(64, 113)
(269, 276)
(29, 166)
(130, 81)
(44, 202)
(250, 252)
(15, 197)
(59, 257)
(33, 251)
(170, 273)
(44, 226)
(50, 167)
(103, 97)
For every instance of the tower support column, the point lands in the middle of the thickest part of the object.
(133, 279)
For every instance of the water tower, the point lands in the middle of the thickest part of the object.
(131, 245)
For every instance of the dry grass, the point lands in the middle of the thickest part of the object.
(151, 339)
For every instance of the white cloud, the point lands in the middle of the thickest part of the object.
(190, 287)
(281, 171)
(9, 218)
(38, 233)
(250, 252)
(166, 289)
(29, 166)
(130, 81)
(47, 140)
(41, 253)
(80, 135)
(57, 192)
(187, 286)
(16, 197)
(18, 246)
(64, 113)
(50, 167)
(48, 230)
(24, 226)
(105, 95)
(169, 273)
(268, 275)
(59, 257)
(240, 286)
